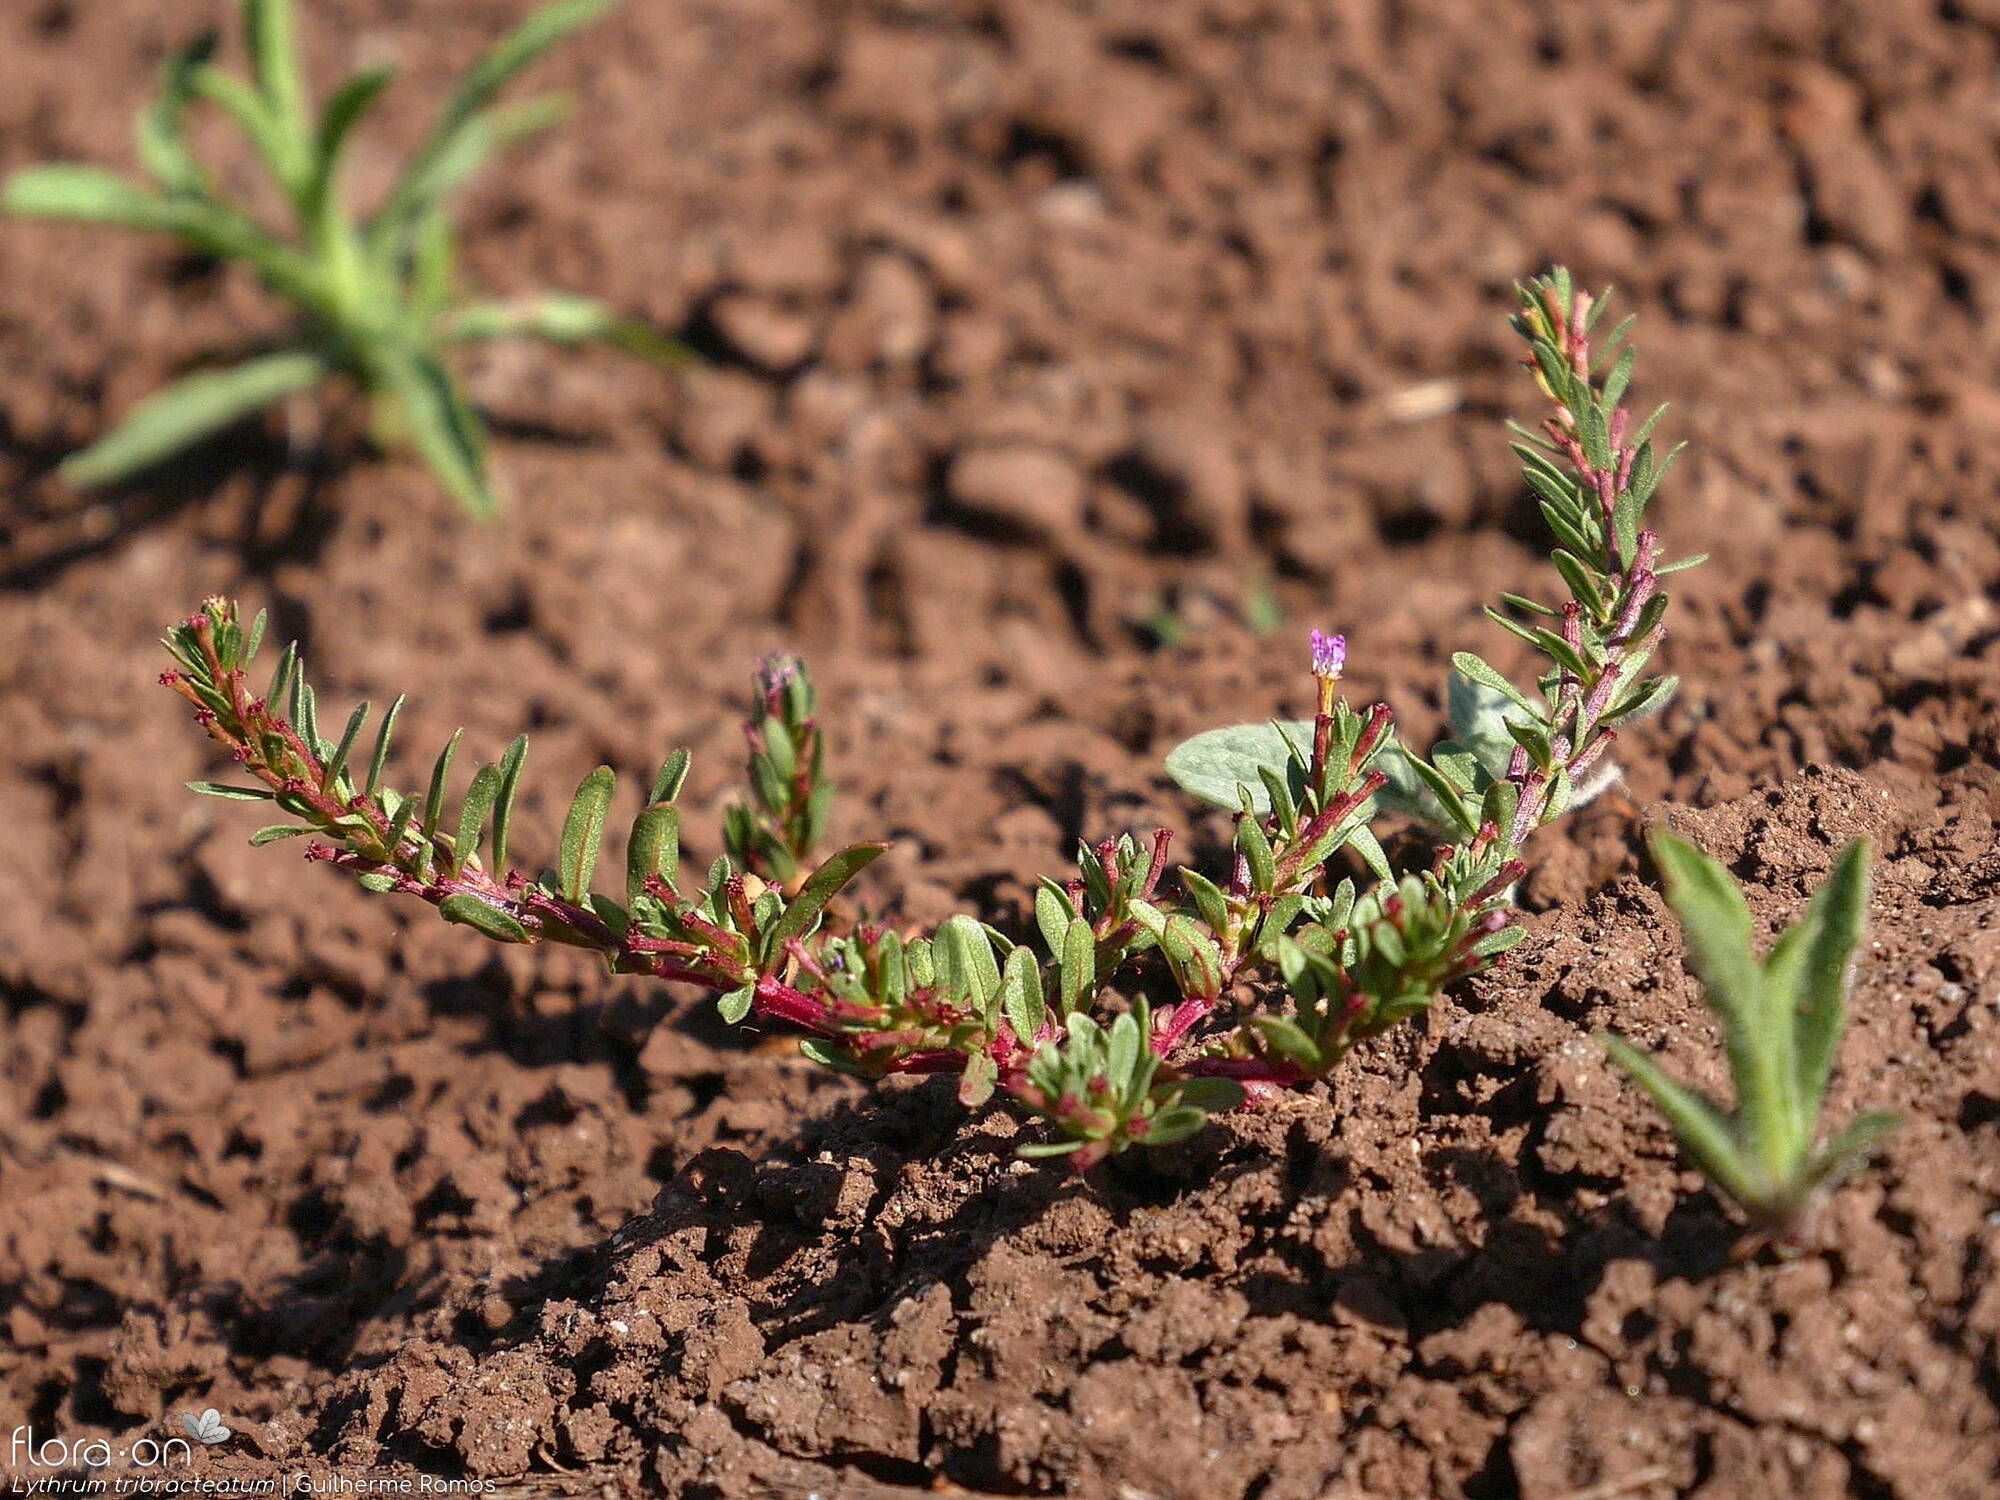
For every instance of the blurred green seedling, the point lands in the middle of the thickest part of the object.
(373, 294)
(1782, 1019)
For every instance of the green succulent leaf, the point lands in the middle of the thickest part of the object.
(1173, 1125)
(1042, 1150)
(471, 912)
(1021, 995)
(277, 832)
(583, 832)
(654, 848)
(975, 1083)
(966, 969)
(735, 1005)
(1077, 968)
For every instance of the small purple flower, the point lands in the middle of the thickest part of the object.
(774, 674)
(1329, 654)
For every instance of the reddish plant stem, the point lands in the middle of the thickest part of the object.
(1248, 1070)
(1177, 1022)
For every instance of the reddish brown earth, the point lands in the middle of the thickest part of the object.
(1031, 327)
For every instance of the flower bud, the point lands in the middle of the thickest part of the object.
(774, 674)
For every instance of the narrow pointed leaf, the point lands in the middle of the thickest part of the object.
(560, 318)
(1834, 922)
(1716, 927)
(230, 793)
(1363, 841)
(92, 195)
(472, 816)
(1255, 846)
(441, 425)
(1036, 1150)
(337, 762)
(1715, 923)
(254, 639)
(161, 144)
(277, 832)
(434, 800)
(380, 759)
(1648, 697)
(822, 886)
(189, 409)
(1208, 898)
(1702, 1130)
(457, 134)
(350, 102)
(503, 806)
(829, 1054)
(274, 60)
(507, 57)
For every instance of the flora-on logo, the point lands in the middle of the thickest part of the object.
(206, 1428)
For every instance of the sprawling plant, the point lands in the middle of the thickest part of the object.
(1137, 1005)
(1782, 1018)
(373, 296)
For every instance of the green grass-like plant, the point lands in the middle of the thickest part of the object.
(1782, 1019)
(373, 294)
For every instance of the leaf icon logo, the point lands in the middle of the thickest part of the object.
(206, 1428)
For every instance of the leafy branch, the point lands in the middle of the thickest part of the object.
(373, 295)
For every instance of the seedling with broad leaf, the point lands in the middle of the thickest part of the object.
(1137, 1005)
(373, 295)
(1782, 1019)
